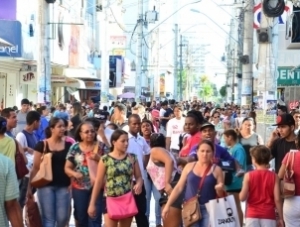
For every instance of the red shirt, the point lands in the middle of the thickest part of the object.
(296, 169)
(261, 202)
(190, 143)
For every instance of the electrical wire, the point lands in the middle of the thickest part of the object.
(271, 11)
(130, 41)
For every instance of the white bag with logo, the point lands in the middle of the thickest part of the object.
(223, 212)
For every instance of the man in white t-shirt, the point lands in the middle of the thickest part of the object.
(175, 127)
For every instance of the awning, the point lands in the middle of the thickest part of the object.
(80, 73)
(78, 84)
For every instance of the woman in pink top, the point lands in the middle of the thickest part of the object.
(291, 206)
(261, 191)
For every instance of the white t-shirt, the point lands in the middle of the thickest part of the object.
(162, 112)
(174, 129)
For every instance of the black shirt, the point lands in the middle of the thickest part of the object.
(279, 149)
(168, 112)
(60, 179)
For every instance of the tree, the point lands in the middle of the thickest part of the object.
(223, 91)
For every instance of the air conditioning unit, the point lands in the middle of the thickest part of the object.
(291, 34)
(264, 35)
(244, 59)
(50, 1)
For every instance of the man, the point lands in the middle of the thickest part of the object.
(119, 116)
(61, 112)
(280, 146)
(28, 140)
(11, 117)
(9, 192)
(21, 115)
(281, 110)
(137, 145)
(165, 115)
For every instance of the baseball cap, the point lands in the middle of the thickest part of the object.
(206, 124)
(285, 119)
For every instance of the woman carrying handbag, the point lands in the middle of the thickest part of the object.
(116, 170)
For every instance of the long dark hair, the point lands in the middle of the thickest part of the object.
(115, 136)
(53, 121)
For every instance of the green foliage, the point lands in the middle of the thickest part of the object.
(223, 91)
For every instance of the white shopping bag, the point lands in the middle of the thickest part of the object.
(223, 212)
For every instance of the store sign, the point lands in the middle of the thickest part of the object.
(287, 77)
(10, 38)
(28, 78)
(93, 85)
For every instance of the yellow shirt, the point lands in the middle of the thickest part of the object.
(8, 147)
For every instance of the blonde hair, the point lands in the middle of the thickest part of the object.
(141, 111)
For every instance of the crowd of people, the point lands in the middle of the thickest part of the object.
(110, 161)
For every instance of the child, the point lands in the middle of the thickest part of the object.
(261, 190)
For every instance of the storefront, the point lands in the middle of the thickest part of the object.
(288, 85)
(81, 82)
(10, 48)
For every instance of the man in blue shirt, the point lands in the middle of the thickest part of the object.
(221, 157)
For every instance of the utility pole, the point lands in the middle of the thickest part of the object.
(43, 60)
(267, 78)
(102, 38)
(247, 63)
(138, 76)
(181, 68)
(176, 31)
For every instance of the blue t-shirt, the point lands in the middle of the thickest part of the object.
(239, 154)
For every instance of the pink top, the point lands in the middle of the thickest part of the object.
(296, 169)
(69, 139)
(261, 202)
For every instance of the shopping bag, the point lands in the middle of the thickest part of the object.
(223, 212)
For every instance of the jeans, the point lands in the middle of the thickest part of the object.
(54, 203)
(150, 188)
(81, 199)
(204, 222)
(141, 202)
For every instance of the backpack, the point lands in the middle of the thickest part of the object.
(180, 144)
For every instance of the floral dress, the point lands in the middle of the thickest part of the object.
(119, 174)
(79, 160)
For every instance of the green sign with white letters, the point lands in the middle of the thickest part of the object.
(287, 77)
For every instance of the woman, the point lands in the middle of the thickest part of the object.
(291, 209)
(163, 171)
(216, 121)
(76, 117)
(248, 138)
(54, 198)
(191, 177)
(77, 168)
(116, 170)
(146, 131)
(239, 119)
(226, 125)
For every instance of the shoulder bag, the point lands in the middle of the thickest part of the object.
(191, 208)
(123, 206)
(32, 214)
(288, 186)
(21, 168)
(44, 175)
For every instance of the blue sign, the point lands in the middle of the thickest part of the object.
(10, 38)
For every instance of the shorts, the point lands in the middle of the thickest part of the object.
(164, 196)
